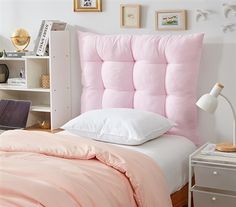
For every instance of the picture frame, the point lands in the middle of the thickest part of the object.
(87, 5)
(130, 15)
(171, 20)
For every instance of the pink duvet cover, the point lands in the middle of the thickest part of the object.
(42, 169)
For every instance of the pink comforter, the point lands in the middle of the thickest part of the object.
(42, 169)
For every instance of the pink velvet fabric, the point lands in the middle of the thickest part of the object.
(50, 170)
(148, 72)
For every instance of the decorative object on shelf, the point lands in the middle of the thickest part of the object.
(20, 39)
(3, 54)
(19, 81)
(229, 8)
(130, 15)
(202, 14)
(45, 81)
(208, 103)
(4, 73)
(44, 124)
(42, 40)
(228, 28)
(87, 5)
(171, 20)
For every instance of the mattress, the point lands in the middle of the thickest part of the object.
(171, 153)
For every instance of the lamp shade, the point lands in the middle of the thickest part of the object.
(208, 103)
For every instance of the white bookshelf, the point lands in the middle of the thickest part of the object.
(53, 104)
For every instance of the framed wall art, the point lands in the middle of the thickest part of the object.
(130, 15)
(87, 5)
(171, 20)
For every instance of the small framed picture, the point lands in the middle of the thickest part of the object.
(171, 20)
(87, 5)
(130, 15)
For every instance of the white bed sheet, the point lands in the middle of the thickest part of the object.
(171, 153)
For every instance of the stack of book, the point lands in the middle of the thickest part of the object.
(17, 82)
(41, 44)
(18, 54)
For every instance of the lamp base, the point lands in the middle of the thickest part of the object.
(225, 147)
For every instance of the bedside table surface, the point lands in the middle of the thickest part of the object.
(224, 160)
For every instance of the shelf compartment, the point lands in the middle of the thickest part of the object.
(15, 65)
(41, 108)
(35, 68)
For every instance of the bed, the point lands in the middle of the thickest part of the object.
(147, 72)
(164, 76)
(171, 153)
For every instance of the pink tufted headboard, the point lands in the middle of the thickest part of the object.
(149, 72)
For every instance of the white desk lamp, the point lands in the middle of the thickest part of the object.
(208, 103)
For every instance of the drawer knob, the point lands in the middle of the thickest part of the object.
(215, 173)
(213, 198)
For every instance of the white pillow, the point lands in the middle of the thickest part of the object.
(119, 125)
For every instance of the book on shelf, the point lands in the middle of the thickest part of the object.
(19, 54)
(41, 44)
(16, 81)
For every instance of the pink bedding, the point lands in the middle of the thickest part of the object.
(42, 169)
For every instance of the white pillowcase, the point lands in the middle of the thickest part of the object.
(119, 125)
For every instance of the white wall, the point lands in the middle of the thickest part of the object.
(219, 55)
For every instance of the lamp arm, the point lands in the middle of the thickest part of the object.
(234, 116)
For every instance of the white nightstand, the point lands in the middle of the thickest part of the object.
(215, 180)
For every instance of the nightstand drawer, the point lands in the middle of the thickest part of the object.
(207, 199)
(215, 177)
